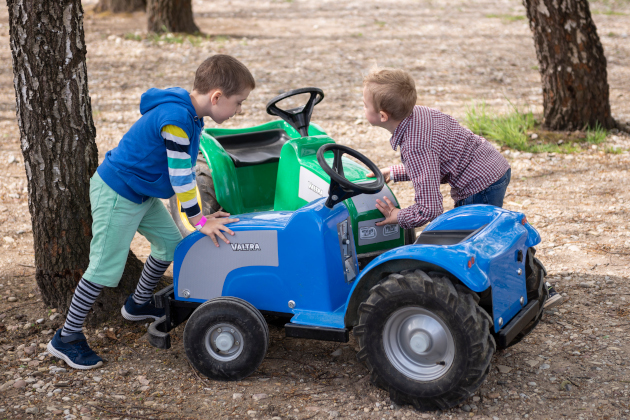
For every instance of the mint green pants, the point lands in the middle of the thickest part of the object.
(115, 221)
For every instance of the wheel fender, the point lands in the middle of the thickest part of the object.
(426, 258)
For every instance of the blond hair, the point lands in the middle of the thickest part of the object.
(393, 91)
(223, 72)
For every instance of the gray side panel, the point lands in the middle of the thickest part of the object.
(369, 233)
(367, 202)
(206, 267)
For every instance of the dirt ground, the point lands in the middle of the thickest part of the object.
(574, 365)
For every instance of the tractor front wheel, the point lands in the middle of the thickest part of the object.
(424, 340)
(226, 339)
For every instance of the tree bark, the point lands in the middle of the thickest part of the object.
(572, 64)
(120, 6)
(57, 135)
(171, 16)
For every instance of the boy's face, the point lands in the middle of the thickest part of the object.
(225, 107)
(374, 117)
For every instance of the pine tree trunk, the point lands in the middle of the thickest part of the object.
(57, 133)
(572, 64)
(171, 16)
(120, 6)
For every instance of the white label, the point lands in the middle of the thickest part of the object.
(367, 233)
(311, 187)
(389, 230)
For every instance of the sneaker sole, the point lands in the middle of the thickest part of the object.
(130, 317)
(554, 301)
(66, 359)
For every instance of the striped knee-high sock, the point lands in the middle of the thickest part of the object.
(84, 296)
(151, 274)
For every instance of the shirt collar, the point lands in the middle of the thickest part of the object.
(399, 132)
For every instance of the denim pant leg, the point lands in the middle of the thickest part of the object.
(492, 195)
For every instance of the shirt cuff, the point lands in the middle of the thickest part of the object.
(398, 173)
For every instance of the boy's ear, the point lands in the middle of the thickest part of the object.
(384, 116)
(215, 95)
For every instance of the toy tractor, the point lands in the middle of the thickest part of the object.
(273, 167)
(427, 316)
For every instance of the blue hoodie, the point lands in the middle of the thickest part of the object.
(138, 168)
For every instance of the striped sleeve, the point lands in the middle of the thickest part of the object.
(180, 169)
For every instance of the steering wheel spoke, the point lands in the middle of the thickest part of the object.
(340, 187)
(300, 117)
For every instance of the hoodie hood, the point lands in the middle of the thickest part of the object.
(154, 97)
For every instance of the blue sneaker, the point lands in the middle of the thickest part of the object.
(134, 312)
(74, 350)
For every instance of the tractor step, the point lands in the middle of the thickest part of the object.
(517, 324)
(340, 335)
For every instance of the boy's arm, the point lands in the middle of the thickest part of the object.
(423, 169)
(398, 173)
(180, 169)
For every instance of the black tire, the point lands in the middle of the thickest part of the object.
(534, 275)
(247, 329)
(414, 378)
(209, 203)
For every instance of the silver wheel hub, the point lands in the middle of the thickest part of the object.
(224, 342)
(418, 343)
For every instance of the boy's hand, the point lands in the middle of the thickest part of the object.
(218, 214)
(216, 226)
(389, 211)
(386, 174)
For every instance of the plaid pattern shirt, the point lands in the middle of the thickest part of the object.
(435, 149)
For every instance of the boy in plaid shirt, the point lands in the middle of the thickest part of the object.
(434, 148)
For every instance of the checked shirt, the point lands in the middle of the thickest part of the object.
(435, 149)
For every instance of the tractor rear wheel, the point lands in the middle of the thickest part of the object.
(425, 341)
(207, 196)
(226, 339)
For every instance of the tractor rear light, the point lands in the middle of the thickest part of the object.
(471, 261)
(524, 220)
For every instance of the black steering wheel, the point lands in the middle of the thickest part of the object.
(340, 188)
(300, 117)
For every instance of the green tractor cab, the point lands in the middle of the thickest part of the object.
(273, 167)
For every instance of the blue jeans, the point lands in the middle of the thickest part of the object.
(492, 195)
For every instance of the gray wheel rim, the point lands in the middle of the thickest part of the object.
(228, 354)
(418, 344)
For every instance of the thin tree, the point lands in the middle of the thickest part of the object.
(572, 64)
(120, 6)
(171, 16)
(57, 135)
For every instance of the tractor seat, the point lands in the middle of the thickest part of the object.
(255, 148)
(445, 237)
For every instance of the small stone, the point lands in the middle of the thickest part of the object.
(237, 396)
(586, 285)
(466, 408)
(40, 321)
(19, 384)
(97, 378)
(531, 383)
(258, 397)
(12, 299)
(251, 413)
(504, 369)
(476, 399)
(532, 362)
(494, 395)
(32, 410)
(333, 414)
(544, 366)
(311, 408)
(337, 353)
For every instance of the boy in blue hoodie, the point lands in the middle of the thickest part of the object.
(155, 159)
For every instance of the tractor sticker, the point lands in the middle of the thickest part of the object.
(310, 186)
(389, 230)
(316, 189)
(367, 233)
(245, 247)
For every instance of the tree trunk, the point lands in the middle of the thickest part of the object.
(572, 64)
(57, 135)
(120, 6)
(171, 16)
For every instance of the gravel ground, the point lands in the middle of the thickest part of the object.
(573, 365)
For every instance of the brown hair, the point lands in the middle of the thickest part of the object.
(223, 72)
(393, 91)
